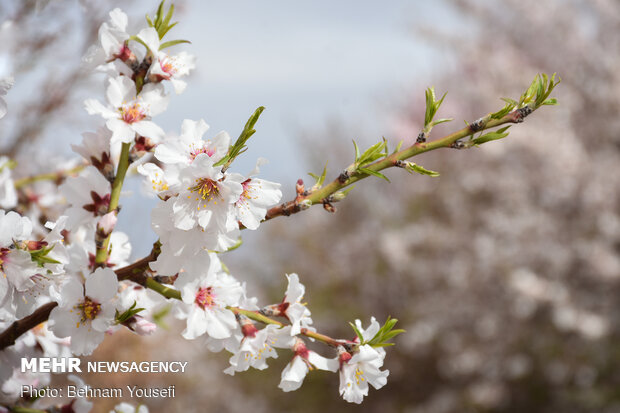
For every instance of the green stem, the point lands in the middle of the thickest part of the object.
(52, 176)
(162, 289)
(322, 195)
(25, 410)
(391, 160)
(253, 315)
(117, 185)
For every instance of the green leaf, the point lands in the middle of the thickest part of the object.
(127, 314)
(357, 150)
(137, 39)
(171, 43)
(385, 333)
(400, 144)
(552, 101)
(432, 105)
(167, 29)
(160, 14)
(374, 173)
(319, 179)
(437, 122)
(149, 21)
(413, 167)
(340, 195)
(239, 146)
(40, 256)
(371, 154)
(510, 105)
(357, 332)
(510, 101)
(168, 16)
(491, 136)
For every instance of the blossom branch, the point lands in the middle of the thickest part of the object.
(58, 176)
(325, 195)
(19, 327)
(123, 164)
(136, 272)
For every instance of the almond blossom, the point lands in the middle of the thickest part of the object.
(95, 148)
(205, 298)
(303, 361)
(361, 368)
(291, 307)
(16, 265)
(257, 196)
(206, 195)
(127, 113)
(5, 84)
(258, 345)
(88, 196)
(165, 67)
(8, 195)
(185, 148)
(85, 312)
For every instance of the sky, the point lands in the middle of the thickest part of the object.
(308, 63)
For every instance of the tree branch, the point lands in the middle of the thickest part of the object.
(323, 195)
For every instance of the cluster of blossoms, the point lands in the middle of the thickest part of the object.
(75, 265)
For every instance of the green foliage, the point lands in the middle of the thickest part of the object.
(432, 105)
(127, 314)
(400, 144)
(319, 180)
(240, 144)
(413, 167)
(385, 333)
(340, 195)
(162, 24)
(509, 107)
(536, 95)
(40, 256)
(172, 43)
(491, 136)
(376, 151)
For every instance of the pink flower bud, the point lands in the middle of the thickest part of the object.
(106, 224)
(142, 326)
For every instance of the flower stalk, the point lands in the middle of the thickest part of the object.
(123, 164)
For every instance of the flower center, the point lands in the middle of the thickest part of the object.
(195, 152)
(89, 309)
(159, 184)
(205, 298)
(207, 189)
(359, 375)
(169, 65)
(4, 252)
(132, 112)
(246, 189)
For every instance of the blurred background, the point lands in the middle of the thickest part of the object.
(505, 271)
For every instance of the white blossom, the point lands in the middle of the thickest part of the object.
(165, 67)
(8, 194)
(85, 312)
(258, 195)
(128, 114)
(88, 196)
(205, 298)
(303, 361)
